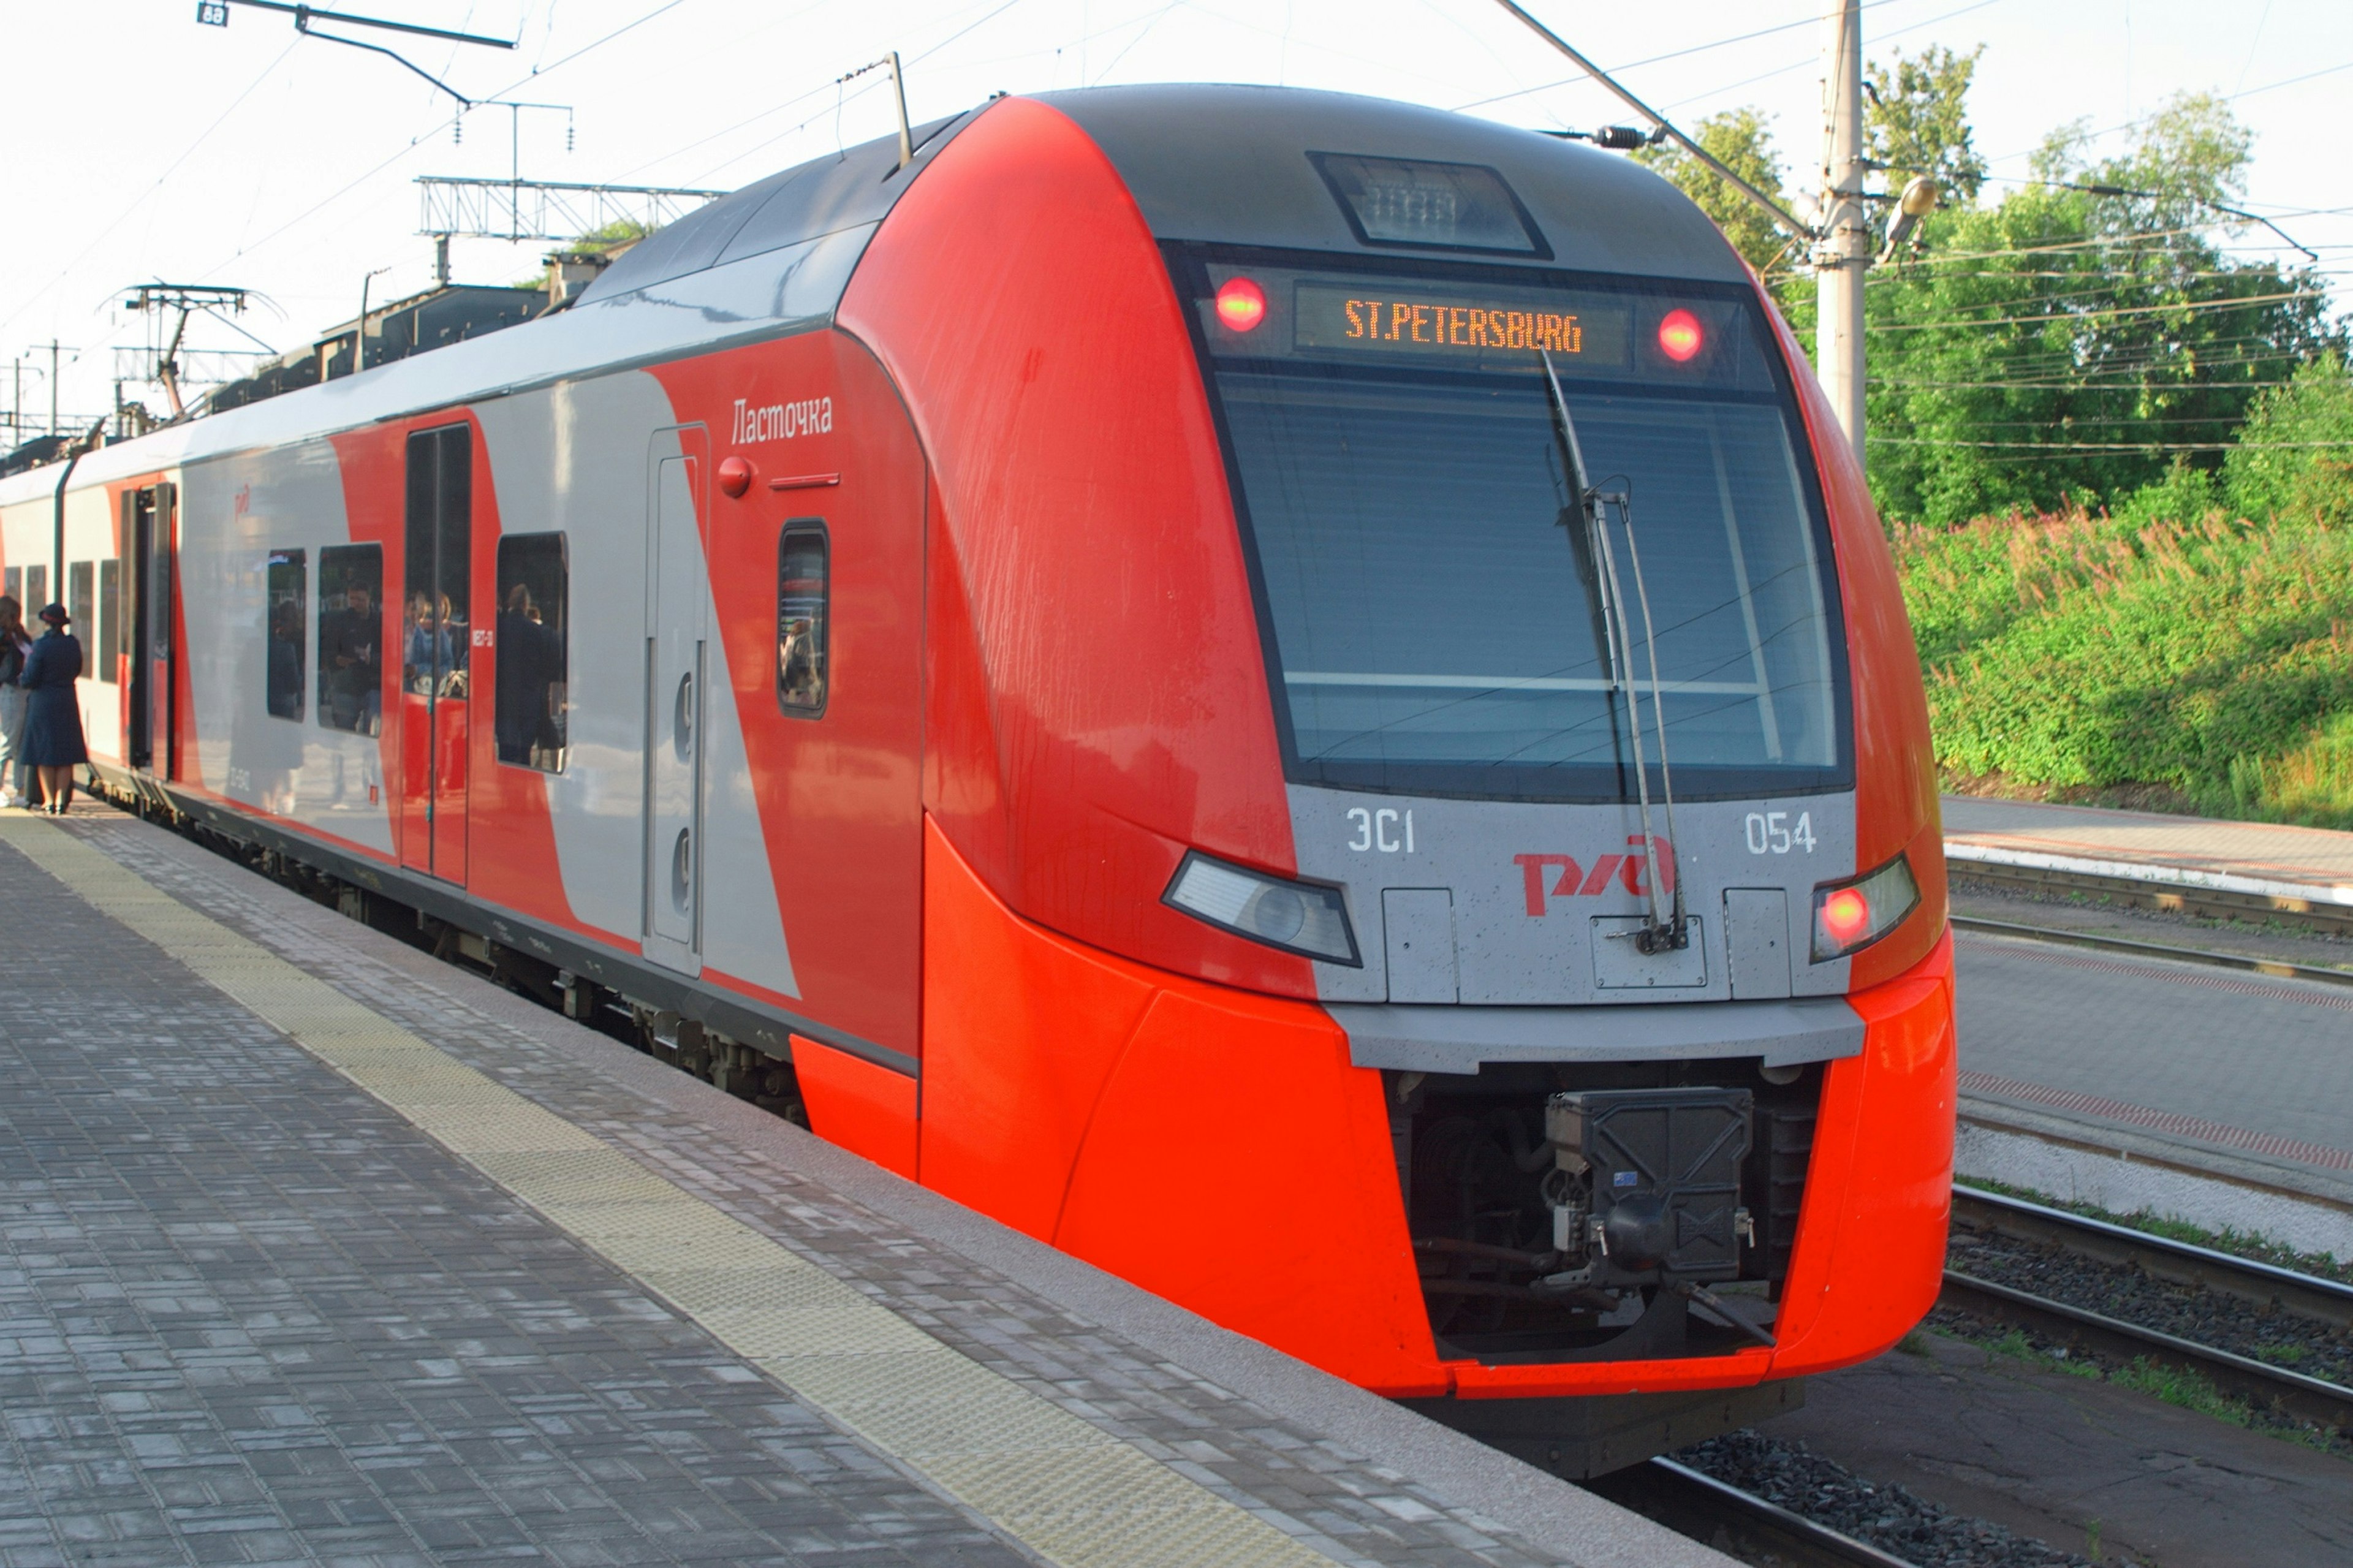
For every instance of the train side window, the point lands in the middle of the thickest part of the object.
(81, 603)
(351, 638)
(15, 588)
(803, 590)
(282, 668)
(37, 593)
(531, 696)
(436, 633)
(105, 647)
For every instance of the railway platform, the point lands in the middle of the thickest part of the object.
(320, 1250)
(2308, 863)
(2093, 1073)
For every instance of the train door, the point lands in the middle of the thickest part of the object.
(145, 544)
(677, 662)
(437, 635)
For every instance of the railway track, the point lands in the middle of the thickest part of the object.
(1706, 1510)
(2323, 1303)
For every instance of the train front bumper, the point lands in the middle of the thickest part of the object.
(1216, 1147)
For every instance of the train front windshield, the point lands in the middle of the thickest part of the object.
(1438, 614)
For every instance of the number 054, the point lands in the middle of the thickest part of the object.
(1772, 833)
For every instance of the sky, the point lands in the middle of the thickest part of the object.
(136, 144)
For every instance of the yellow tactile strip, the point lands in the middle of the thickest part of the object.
(1068, 1491)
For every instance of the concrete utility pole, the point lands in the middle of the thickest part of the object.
(53, 387)
(1841, 238)
(1843, 252)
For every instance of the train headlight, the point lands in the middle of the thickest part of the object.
(1680, 335)
(1850, 916)
(1241, 305)
(1305, 918)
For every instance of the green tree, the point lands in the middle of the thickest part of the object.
(1740, 140)
(2191, 155)
(1915, 120)
(2294, 461)
(617, 234)
(2068, 344)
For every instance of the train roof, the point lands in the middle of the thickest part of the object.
(1240, 165)
(1227, 165)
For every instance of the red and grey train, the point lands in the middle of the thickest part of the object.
(1295, 695)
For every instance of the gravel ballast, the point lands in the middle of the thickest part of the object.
(2185, 1311)
(1890, 1518)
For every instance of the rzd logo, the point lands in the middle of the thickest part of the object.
(1632, 871)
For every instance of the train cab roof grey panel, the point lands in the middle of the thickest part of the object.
(1232, 165)
(825, 196)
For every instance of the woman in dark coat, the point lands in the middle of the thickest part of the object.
(13, 646)
(53, 743)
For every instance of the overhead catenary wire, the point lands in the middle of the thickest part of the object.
(1658, 59)
(339, 224)
(2144, 287)
(2106, 446)
(2124, 276)
(2040, 385)
(600, 42)
(2124, 359)
(2081, 420)
(2144, 363)
(1811, 60)
(2089, 242)
(2146, 383)
(1781, 215)
(338, 194)
(2187, 305)
(2224, 98)
(817, 91)
(148, 194)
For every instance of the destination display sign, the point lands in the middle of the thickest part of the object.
(1471, 326)
(1669, 335)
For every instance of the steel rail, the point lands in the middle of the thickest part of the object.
(2260, 1382)
(2154, 949)
(1710, 1510)
(2310, 1296)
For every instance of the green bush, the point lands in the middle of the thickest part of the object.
(2295, 457)
(2176, 644)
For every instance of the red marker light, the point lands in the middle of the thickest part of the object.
(1845, 915)
(1241, 304)
(1680, 336)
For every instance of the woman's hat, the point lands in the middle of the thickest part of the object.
(55, 614)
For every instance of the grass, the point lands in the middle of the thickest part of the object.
(2187, 1390)
(2193, 651)
(2207, 665)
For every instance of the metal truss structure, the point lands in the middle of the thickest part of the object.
(544, 210)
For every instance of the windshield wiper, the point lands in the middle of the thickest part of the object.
(1669, 928)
